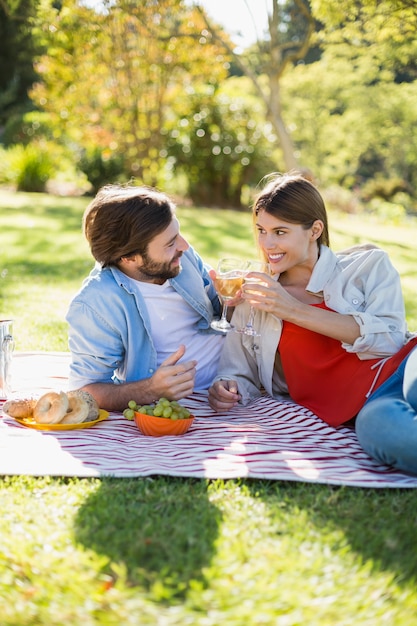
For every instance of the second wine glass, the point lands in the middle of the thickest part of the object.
(253, 266)
(229, 279)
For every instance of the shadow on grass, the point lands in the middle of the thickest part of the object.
(158, 531)
(45, 271)
(45, 204)
(378, 525)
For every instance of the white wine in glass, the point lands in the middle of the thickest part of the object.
(229, 280)
(253, 266)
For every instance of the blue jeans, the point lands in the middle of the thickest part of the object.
(386, 425)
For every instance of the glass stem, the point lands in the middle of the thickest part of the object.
(249, 323)
(223, 318)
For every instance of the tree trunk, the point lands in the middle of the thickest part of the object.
(281, 54)
(275, 117)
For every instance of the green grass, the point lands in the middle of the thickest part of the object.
(44, 257)
(171, 551)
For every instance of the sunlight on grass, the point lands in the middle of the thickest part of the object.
(177, 552)
(44, 256)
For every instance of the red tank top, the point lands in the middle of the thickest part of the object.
(326, 379)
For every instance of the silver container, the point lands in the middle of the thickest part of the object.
(6, 352)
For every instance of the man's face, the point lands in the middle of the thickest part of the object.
(161, 261)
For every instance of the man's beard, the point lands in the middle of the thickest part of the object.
(161, 271)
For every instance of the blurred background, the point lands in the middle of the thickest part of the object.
(202, 99)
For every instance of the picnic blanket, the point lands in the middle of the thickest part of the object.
(265, 440)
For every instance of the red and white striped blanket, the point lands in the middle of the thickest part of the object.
(268, 440)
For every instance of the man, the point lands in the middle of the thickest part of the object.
(139, 328)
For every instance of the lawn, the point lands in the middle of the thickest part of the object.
(171, 551)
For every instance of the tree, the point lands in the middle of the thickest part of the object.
(334, 14)
(220, 141)
(389, 26)
(17, 49)
(291, 26)
(109, 76)
(352, 121)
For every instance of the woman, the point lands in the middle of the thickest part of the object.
(331, 327)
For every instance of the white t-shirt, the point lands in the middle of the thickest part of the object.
(175, 322)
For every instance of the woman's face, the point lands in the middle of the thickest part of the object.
(287, 245)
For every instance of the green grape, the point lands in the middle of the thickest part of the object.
(162, 408)
(129, 414)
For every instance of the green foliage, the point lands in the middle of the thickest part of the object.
(18, 46)
(381, 187)
(30, 167)
(389, 26)
(109, 76)
(153, 89)
(220, 141)
(392, 212)
(6, 175)
(101, 167)
(351, 122)
(36, 126)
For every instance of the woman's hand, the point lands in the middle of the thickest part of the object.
(223, 395)
(268, 295)
(271, 296)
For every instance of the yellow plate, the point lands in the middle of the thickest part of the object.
(30, 423)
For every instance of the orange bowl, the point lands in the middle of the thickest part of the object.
(160, 426)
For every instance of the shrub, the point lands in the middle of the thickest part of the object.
(386, 211)
(6, 175)
(30, 167)
(384, 187)
(101, 169)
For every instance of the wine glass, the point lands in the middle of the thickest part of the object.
(229, 279)
(253, 266)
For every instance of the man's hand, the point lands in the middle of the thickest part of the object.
(174, 380)
(171, 380)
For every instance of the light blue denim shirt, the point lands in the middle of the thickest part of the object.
(109, 327)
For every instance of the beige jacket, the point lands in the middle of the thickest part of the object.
(360, 281)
